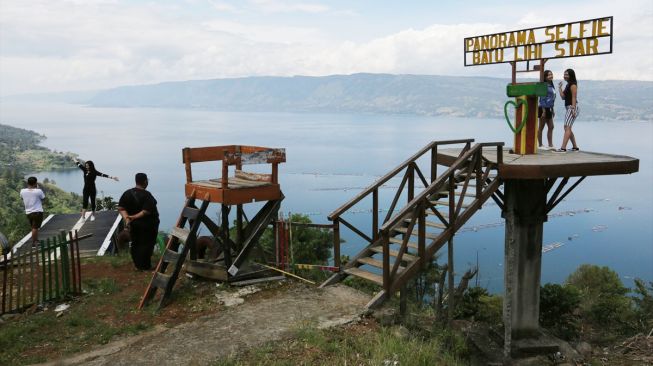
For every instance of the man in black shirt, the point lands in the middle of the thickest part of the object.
(138, 208)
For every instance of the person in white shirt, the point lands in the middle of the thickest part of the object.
(33, 200)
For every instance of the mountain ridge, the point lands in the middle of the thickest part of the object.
(427, 95)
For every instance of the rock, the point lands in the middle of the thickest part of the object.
(385, 315)
(6, 317)
(584, 349)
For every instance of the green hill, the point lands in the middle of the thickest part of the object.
(20, 152)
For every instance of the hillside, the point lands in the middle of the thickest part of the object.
(475, 97)
(20, 152)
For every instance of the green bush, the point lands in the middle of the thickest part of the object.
(477, 304)
(603, 297)
(644, 304)
(559, 310)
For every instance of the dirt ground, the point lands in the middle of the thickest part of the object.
(247, 318)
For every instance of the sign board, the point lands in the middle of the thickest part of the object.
(583, 38)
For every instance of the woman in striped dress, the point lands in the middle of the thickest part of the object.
(570, 95)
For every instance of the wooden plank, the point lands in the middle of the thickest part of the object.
(430, 224)
(374, 262)
(547, 164)
(209, 153)
(393, 253)
(160, 280)
(256, 177)
(401, 241)
(263, 156)
(179, 233)
(189, 213)
(365, 275)
(444, 203)
(170, 256)
(404, 230)
(207, 270)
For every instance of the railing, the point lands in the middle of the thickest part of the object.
(458, 175)
(36, 275)
(409, 169)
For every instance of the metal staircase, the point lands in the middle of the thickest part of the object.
(406, 241)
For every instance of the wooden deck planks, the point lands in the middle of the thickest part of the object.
(233, 183)
(548, 164)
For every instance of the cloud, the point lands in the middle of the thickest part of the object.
(277, 6)
(52, 46)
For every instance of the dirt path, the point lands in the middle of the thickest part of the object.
(261, 318)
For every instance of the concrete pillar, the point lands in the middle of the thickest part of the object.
(525, 214)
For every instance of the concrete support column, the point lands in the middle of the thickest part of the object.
(525, 214)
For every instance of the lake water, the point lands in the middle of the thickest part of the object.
(605, 221)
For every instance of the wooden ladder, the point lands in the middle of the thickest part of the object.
(172, 256)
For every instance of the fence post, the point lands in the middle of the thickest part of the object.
(375, 214)
(11, 282)
(336, 243)
(19, 280)
(43, 269)
(79, 265)
(57, 283)
(65, 264)
(72, 260)
(4, 282)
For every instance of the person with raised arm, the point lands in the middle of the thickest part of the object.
(89, 193)
(570, 95)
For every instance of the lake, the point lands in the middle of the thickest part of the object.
(330, 157)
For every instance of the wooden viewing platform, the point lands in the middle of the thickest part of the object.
(241, 188)
(226, 258)
(548, 164)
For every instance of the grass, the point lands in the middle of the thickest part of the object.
(105, 311)
(352, 345)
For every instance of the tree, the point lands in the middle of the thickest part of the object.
(106, 204)
(603, 295)
(644, 303)
(558, 310)
(309, 245)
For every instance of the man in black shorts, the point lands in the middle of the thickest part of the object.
(33, 199)
(138, 208)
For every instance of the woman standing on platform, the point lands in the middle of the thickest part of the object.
(545, 111)
(90, 192)
(570, 95)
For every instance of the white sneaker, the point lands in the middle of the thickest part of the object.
(92, 218)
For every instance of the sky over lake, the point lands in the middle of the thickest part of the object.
(50, 45)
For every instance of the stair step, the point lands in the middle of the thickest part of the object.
(180, 233)
(445, 203)
(411, 244)
(190, 212)
(443, 213)
(160, 280)
(436, 225)
(170, 257)
(404, 230)
(370, 261)
(376, 263)
(365, 274)
(393, 253)
(473, 175)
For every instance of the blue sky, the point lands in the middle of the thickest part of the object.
(53, 45)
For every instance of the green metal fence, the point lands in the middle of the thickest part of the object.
(35, 275)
